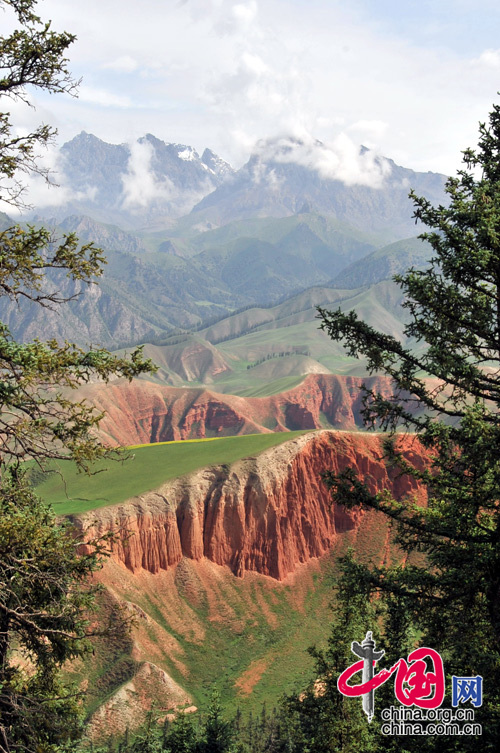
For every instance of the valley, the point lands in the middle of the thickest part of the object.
(225, 538)
(249, 377)
(228, 571)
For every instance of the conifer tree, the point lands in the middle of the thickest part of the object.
(322, 719)
(45, 595)
(217, 734)
(181, 735)
(447, 391)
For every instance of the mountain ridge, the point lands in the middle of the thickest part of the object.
(154, 183)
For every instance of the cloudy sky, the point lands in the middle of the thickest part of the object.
(409, 78)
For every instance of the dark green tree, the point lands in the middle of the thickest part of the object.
(454, 324)
(45, 595)
(181, 735)
(37, 417)
(321, 719)
(217, 733)
(33, 55)
(45, 601)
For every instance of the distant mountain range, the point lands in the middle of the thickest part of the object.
(189, 240)
(149, 183)
(372, 196)
(152, 286)
(138, 184)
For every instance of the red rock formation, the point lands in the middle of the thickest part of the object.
(142, 412)
(267, 514)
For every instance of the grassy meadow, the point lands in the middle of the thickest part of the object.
(145, 469)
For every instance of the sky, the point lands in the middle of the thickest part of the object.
(410, 80)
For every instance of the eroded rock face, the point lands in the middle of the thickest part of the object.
(267, 514)
(142, 412)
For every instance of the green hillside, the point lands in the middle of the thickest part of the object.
(271, 229)
(254, 352)
(385, 262)
(148, 467)
(262, 349)
(156, 283)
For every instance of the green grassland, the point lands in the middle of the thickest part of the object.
(272, 229)
(272, 388)
(258, 625)
(146, 468)
(271, 627)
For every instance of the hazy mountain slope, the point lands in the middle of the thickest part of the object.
(257, 350)
(279, 263)
(107, 236)
(145, 293)
(134, 301)
(194, 359)
(273, 184)
(287, 225)
(302, 303)
(384, 263)
(146, 182)
(329, 229)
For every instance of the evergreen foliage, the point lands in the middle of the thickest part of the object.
(213, 734)
(45, 595)
(454, 307)
(217, 733)
(324, 720)
(45, 598)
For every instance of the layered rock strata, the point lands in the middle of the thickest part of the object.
(266, 514)
(142, 412)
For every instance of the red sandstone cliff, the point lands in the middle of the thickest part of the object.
(142, 412)
(267, 514)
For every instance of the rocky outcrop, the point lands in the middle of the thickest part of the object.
(128, 706)
(266, 514)
(141, 412)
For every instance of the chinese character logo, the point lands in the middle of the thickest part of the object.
(418, 681)
(464, 689)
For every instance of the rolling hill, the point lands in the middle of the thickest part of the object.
(150, 288)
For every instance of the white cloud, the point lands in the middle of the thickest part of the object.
(143, 189)
(245, 13)
(101, 97)
(40, 193)
(339, 160)
(123, 64)
(490, 58)
(329, 123)
(140, 186)
(254, 64)
(370, 133)
(225, 73)
(373, 128)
